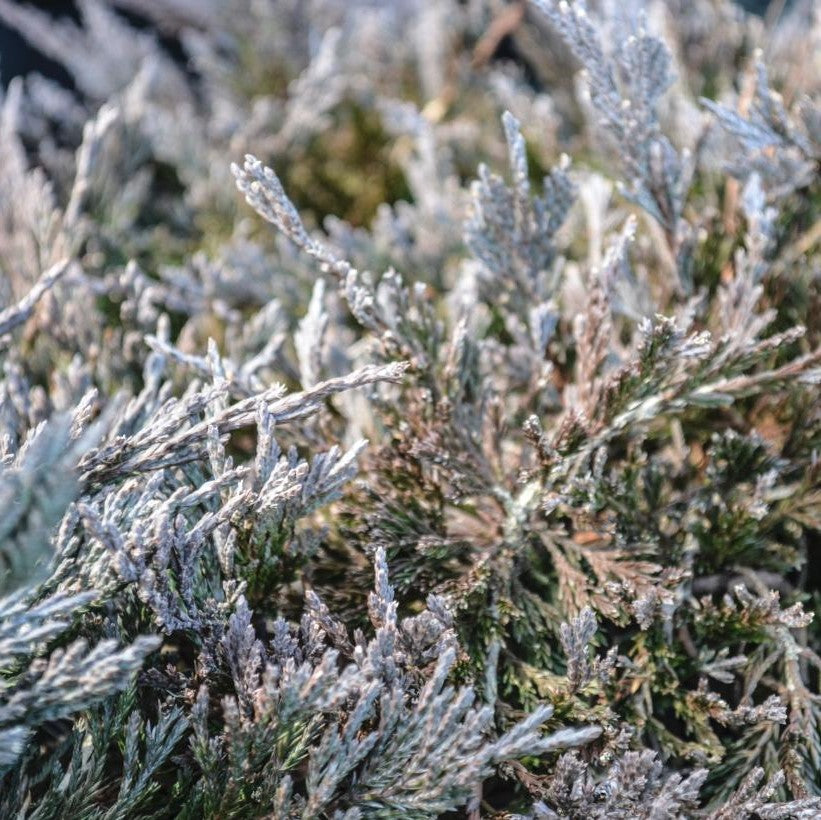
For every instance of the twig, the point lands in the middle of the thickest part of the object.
(502, 25)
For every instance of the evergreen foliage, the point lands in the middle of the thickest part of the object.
(407, 467)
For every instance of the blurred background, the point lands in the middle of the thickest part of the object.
(18, 58)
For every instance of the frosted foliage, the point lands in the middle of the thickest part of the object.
(410, 410)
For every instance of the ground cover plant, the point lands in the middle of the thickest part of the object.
(411, 410)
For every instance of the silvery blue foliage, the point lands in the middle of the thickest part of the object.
(405, 467)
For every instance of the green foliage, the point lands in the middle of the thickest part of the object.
(433, 491)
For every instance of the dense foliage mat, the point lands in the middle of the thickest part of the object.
(411, 409)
